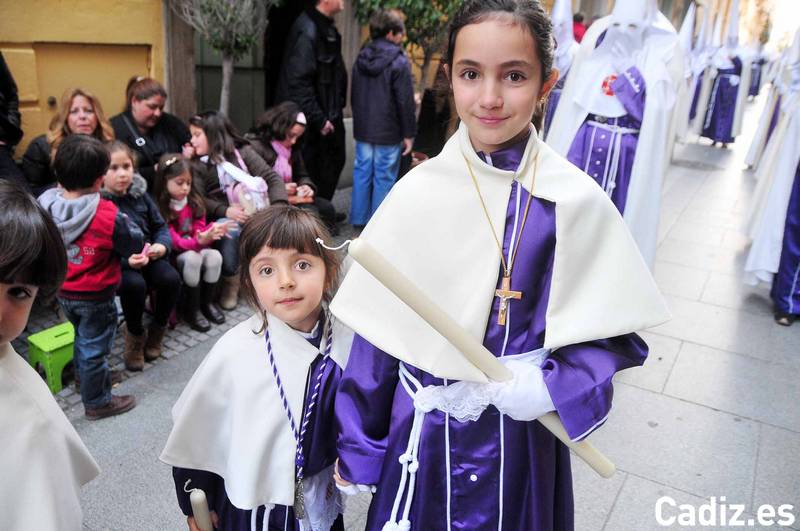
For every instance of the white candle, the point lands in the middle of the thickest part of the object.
(396, 282)
(200, 510)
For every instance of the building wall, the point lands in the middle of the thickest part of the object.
(52, 45)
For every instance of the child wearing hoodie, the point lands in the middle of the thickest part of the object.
(128, 190)
(97, 235)
(384, 114)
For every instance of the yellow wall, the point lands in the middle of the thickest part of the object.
(51, 45)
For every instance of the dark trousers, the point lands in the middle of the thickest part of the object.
(95, 324)
(9, 169)
(158, 275)
(325, 157)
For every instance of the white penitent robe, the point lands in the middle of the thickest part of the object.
(661, 64)
(776, 174)
(43, 462)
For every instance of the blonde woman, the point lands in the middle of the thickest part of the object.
(80, 112)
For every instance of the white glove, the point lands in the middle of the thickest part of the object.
(355, 488)
(621, 58)
(525, 397)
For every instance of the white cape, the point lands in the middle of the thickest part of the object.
(776, 176)
(662, 66)
(230, 420)
(43, 461)
(433, 229)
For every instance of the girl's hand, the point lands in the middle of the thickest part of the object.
(291, 188)
(337, 478)
(236, 213)
(205, 237)
(138, 261)
(193, 524)
(305, 191)
(157, 250)
(187, 150)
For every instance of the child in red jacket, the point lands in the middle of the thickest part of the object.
(97, 235)
(182, 207)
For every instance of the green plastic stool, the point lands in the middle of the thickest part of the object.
(51, 350)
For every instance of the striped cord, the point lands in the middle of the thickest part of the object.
(317, 383)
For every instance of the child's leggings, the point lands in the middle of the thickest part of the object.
(191, 264)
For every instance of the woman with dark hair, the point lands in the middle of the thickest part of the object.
(230, 162)
(80, 112)
(276, 138)
(147, 128)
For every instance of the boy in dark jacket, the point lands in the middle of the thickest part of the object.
(384, 119)
(96, 235)
(128, 190)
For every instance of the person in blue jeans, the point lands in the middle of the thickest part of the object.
(96, 235)
(384, 117)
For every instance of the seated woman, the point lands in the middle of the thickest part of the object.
(80, 112)
(146, 128)
(228, 160)
(275, 137)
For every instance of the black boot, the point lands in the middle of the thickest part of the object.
(207, 306)
(191, 310)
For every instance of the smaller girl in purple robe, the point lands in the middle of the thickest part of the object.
(254, 427)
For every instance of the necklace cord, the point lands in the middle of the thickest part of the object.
(507, 268)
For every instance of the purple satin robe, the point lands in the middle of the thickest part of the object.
(474, 475)
(696, 97)
(756, 68)
(718, 125)
(605, 151)
(552, 102)
(319, 452)
(786, 284)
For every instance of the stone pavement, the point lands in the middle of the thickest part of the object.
(714, 412)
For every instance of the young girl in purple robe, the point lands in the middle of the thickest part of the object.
(528, 255)
(254, 427)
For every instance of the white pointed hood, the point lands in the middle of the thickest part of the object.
(686, 32)
(562, 32)
(732, 35)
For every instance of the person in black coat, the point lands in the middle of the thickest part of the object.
(384, 114)
(79, 113)
(147, 129)
(127, 190)
(313, 75)
(10, 130)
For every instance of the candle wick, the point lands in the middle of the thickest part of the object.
(339, 248)
(185, 485)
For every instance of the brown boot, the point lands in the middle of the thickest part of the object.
(152, 347)
(229, 292)
(117, 405)
(134, 351)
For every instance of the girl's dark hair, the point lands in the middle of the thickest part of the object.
(276, 121)
(170, 166)
(528, 14)
(142, 88)
(118, 145)
(223, 138)
(33, 251)
(285, 227)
